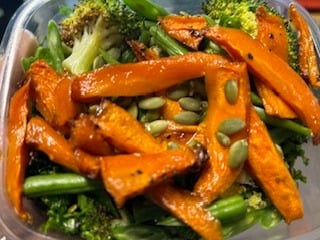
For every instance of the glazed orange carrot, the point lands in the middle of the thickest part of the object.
(43, 137)
(65, 108)
(124, 131)
(17, 158)
(217, 176)
(184, 28)
(308, 62)
(272, 33)
(269, 169)
(129, 175)
(134, 79)
(188, 208)
(141, 51)
(84, 135)
(44, 79)
(274, 72)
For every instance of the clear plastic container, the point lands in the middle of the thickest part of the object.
(28, 26)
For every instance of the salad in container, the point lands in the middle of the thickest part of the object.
(183, 120)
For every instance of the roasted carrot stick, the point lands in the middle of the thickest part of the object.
(124, 131)
(272, 33)
(49, 88)
(307, 56)
(184, 28)
(129, 175)
(85, 135)
(269, 169)
(134, 79)
(273, 71)
(43, 137)
(141, 51)
(17, 159)
(66, 109)
(217, 176)
(44, 79)
(189, 208)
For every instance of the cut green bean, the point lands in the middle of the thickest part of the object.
(166, 43)
(147, 9)
(59, 183)
(227, 210)
(283, 123)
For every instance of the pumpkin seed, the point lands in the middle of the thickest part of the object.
(178, 92)
(279, 149)
(238, 153)
(190, 104)
(231, 91)
(223, 139)
(187, 118)
(150, 115)
(231, 126)
(157, 127)
(133, 110)
(172, 145)
(151, 103)
(98, 62)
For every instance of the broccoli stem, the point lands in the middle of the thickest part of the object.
(226, 210)
(165, 42)
(147, 9)
(59, 183)
(283, 123)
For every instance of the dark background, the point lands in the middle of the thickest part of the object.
(8, 7)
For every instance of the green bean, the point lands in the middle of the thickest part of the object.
(59, 183)
(227, 210)
(166, 43)
(283, 123)
(55, 45)
(107, 57)
(147, 9)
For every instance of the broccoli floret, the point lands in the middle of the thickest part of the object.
(241, 14)
(94, 25)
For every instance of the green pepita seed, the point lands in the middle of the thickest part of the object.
(280, 151)
(133, 110)
(98, 62)
(231, 91)
(151, 103)
(223, 139)
(238, 153)
(173, 145)
(231, 126)
(150, 115)
(190, 104)
(157, 127)
(187, 118)
(178, 92)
